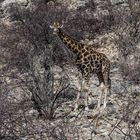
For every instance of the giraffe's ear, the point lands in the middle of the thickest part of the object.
(61, 26)
(51, 26)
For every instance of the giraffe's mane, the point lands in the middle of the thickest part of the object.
(68, 36)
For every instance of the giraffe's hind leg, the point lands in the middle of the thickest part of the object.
(77, 100)
(107, 83)
(101, 89)
(102, 92)
(105, 97)
(107, 92)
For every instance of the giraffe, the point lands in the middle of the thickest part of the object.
(88, 62)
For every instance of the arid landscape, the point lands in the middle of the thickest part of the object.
(39, 76)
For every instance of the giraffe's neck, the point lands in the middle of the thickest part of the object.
(72, 44)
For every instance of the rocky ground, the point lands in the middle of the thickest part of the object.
(119, 121)
(111, 124)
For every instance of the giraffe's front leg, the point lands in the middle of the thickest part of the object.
(86, 101)
(82, 86)
(77, 100)
(79, 90)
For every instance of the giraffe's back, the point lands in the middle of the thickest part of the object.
(91, 61)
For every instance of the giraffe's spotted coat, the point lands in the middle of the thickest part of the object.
(88, 60)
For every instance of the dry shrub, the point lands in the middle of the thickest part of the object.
(130, 66)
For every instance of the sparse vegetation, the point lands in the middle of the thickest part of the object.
(36, 69)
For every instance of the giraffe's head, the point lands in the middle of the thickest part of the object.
(56, 26)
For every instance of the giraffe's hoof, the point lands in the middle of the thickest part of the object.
(86, 108)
